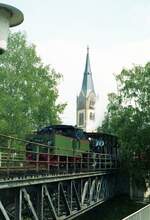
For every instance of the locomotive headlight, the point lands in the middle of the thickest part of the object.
(9, 17)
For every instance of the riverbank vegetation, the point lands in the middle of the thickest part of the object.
(128, 117)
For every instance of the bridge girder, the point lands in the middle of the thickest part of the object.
(59, 200)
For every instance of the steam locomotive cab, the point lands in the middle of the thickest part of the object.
(104, 146)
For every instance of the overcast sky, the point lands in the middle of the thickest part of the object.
(117, 32)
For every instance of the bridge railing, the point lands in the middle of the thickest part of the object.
(19, 156)
(142, 214)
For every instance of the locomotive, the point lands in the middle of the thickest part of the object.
(65, 144)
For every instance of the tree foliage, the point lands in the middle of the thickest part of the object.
(128, 111)
(28, 89)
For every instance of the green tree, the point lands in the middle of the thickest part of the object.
(128, 111)
(28, 89)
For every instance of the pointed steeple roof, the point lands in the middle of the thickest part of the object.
(87, 84)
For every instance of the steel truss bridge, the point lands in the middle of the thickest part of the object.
(35, 190)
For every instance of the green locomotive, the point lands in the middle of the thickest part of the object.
(58, 142)
(58, 145)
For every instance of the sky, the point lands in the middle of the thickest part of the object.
(117, 32)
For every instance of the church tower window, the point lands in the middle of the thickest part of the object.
(92, 116)
(92, 103)
(81, 119)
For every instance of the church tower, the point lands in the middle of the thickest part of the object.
(86, 100)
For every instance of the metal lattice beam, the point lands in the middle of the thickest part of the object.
(30, 205)
(65, 199)
(50, 203)
(61, 200)
(18, 204)
(4, 211)
(40, 202)
(76, 195)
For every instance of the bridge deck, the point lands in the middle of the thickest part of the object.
(39, 179)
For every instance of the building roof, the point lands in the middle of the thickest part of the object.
(87, 84)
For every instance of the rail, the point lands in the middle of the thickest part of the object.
(22, 157)
(142, 214)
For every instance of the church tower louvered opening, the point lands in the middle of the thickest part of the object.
(86, 100)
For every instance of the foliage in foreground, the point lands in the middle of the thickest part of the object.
(128, 114)
(28, 89)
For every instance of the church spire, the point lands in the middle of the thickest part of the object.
(87, 84)
(86, 100)
(87, 65)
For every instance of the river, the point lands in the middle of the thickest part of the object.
(115, 209)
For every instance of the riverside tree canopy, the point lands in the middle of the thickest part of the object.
(28, 89)
(128, 111)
